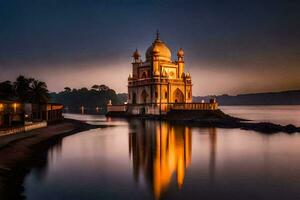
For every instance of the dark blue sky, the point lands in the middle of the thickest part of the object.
(230, 46)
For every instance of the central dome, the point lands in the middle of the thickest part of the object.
(160, 49)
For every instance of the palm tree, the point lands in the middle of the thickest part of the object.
(39, 92)
(22, 88)
(6, 90)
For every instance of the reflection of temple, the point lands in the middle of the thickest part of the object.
(213, 153)
(160, 150)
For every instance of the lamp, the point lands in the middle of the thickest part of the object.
(15, 105)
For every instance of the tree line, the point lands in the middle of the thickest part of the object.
(93, 99)
(30, 90)
(25, 89)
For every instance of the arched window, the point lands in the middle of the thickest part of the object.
(144, 96)
(144, 75)
(166, 95)
(178, 96)
(133, 98)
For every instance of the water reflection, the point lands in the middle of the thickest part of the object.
(150, 159)
(213, 153)
(44, 159)
(158, 151)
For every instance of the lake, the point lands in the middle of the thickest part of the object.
(141, 159)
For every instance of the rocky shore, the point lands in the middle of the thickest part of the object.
(19, 156)
(213, 118)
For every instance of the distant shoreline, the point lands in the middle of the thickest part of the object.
(290, 97)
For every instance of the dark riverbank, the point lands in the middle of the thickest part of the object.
(18, 157)
(213, 118)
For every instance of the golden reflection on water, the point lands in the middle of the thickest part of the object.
(158, 151)
(213, 152)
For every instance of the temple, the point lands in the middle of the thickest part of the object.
(159, 84)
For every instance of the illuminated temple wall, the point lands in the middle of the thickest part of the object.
(158, 80)
(161, 152)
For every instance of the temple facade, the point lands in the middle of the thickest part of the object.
(159, 84)
(159, 81)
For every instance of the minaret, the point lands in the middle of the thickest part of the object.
(180, 55)
(135, 64)
(155, 53)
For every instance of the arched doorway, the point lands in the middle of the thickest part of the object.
(178, 96)
(144, 96)
(144, 75)
(133, 98)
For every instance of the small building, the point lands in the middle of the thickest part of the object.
(159, 84)
(11, 113)
(14, 113)
(47, 112)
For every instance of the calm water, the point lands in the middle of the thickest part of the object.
(156, 160)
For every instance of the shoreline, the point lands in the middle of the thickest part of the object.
(212, 118)
(18, 157)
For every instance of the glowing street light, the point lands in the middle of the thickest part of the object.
(15, 107)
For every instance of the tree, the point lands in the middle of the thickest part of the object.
(6, 90)
(67, 89)
(39, 92)
(95, 87)
(89, 98)
(83, 90)
(103, 88)
(22, 88)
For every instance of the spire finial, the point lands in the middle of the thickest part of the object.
(157, 34)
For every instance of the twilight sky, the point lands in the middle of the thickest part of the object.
(230, 46)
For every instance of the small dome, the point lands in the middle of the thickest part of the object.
(136, 54)
(180, 53)
(129, 76)
(188, 75)
(159, 48)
